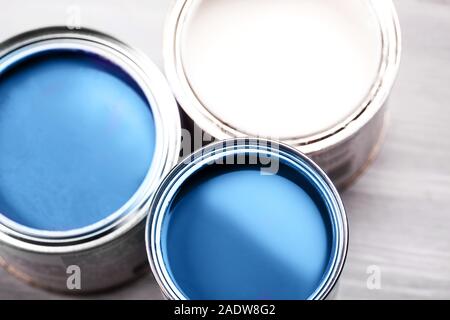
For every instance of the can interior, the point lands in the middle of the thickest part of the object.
(231, 232)
(284, 69)
(77, 138)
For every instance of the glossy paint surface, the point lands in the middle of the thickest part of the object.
(76, 140)
(281, 68)
(237, 234)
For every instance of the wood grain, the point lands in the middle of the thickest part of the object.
(399, 210)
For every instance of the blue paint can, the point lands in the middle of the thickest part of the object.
(88, 128)
(247, 219)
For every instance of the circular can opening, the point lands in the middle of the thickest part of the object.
(286, 69)
(82, 139)
(267, 226)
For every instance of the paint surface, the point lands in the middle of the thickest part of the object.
(281, 68)
(242, 235)
(76, 140)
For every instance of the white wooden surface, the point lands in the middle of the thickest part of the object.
(399, 211)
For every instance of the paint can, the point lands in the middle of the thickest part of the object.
(247, 219)
(313, 74)
(88, 128)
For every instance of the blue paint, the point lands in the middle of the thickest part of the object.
(232, 233)
(76, 140)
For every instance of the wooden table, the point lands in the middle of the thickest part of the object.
(399, 211)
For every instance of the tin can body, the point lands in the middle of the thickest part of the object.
(105, 266)
(86, 257)
(347, 160)
(343, 162)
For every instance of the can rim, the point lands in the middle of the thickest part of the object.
(167, 132)
(389, 64)
(196, 161)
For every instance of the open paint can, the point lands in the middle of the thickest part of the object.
(246, 219)
(88, 128)
(312, 73)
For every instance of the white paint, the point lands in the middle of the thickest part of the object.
(281, 68)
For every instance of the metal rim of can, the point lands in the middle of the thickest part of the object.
(389, 64)
(173, 182)
(167, 127)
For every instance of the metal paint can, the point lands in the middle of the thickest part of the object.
(313, 74)
(247, 219)
(109, 251)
